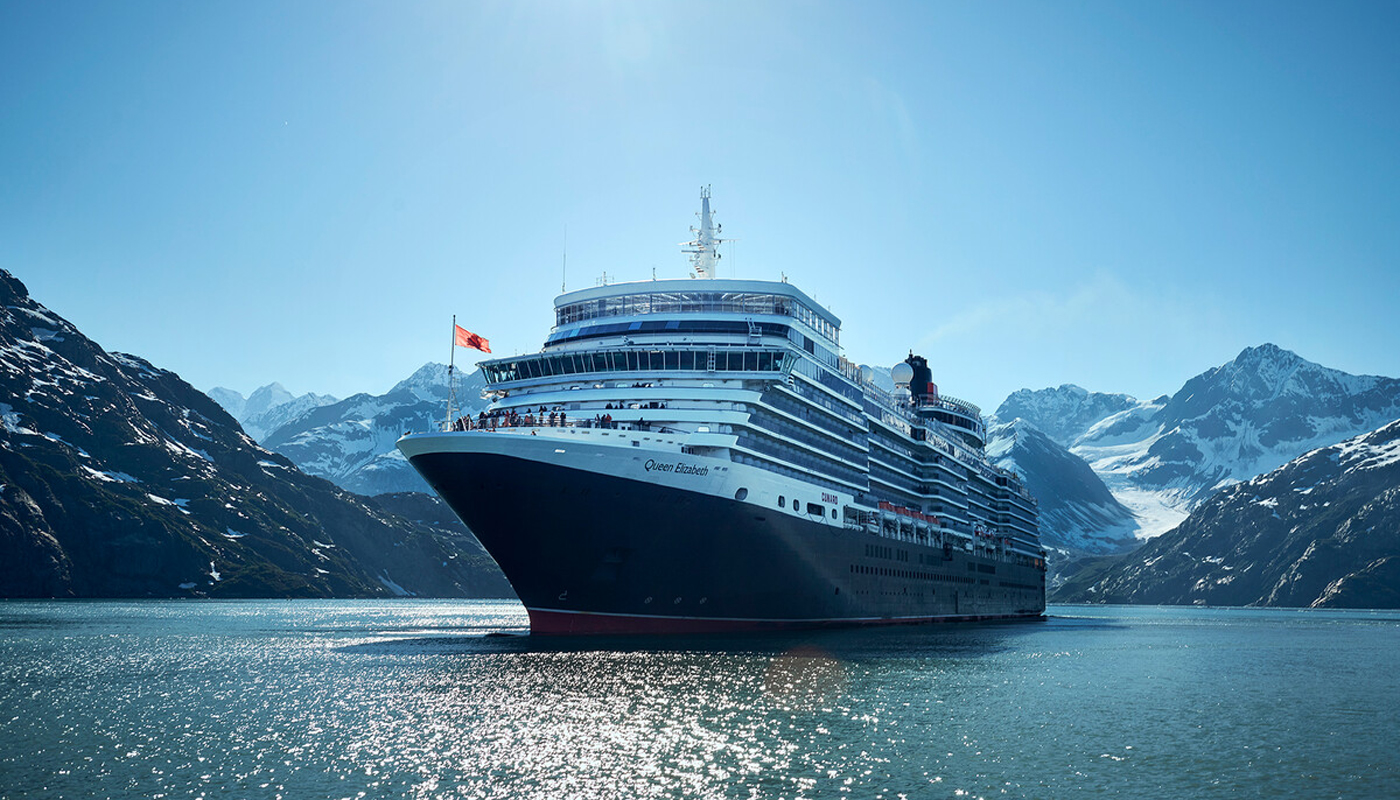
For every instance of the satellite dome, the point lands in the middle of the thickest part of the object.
(866, 373)
(902, 374)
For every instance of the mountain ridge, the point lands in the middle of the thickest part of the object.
(119, 479)
(1078, 514)
(1164, 457)
(1321, 531)
(267, 408)
(352, 442)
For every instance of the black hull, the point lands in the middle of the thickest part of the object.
(591, 553)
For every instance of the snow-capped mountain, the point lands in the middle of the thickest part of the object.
(231, 401)
(1078, 515)
(1164, 457)
(118, 479)
(351, 442)
(1063, 414)
(1256, 413)
(267, 408)
(1323, 530)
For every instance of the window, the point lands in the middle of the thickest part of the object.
(547, 365)
(782, 501)
(741, 494)
(794, 504)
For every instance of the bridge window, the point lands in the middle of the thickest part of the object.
(551, 365)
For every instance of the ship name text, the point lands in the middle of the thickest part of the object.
(678, 468)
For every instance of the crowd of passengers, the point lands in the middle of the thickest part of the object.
(546, 417)
(542, 418)
(513, 418)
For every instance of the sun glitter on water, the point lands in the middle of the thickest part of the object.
(805, 678)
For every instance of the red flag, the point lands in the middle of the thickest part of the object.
(466, 338)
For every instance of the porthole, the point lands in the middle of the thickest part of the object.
(741, 494)
(794, 504)
(782, 501)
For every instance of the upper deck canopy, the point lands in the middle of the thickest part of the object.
(712, 296)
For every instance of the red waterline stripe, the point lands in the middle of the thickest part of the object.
(564, 623)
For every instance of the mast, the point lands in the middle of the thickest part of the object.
(452, 377)
(704, 248)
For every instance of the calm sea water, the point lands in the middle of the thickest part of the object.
(312, 699)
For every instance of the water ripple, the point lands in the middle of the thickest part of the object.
(418, 700)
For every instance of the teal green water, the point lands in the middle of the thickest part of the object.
(312, 699)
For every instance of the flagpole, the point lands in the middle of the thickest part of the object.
(451, 376)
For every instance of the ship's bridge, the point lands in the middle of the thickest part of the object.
(713, 305)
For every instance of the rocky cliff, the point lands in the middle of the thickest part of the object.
(118, 479)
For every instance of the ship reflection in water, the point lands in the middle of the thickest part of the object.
(419, 699)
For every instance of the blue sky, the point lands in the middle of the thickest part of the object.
(1118, 195)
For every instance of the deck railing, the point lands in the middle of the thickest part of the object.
(467, 422)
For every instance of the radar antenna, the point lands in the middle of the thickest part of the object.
(704, 248)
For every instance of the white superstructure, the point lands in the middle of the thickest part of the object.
(745, 376)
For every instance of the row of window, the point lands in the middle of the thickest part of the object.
(840, 385)
(783, 451)
(695, 303)
(931, 465)
(932, 468)
(676, 303)
(816, 322)
(782, 469)
(895, 492)
(748, 359)
(896, 446)
(678, 326)
(894, 457)
(959, 421)
(875, 411)
(909, 574)
(802, 409)
(790, 431)
(813, 369)
(813, 509)
(881, 551)
(878, 470)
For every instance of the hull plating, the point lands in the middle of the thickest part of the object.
(593, 553)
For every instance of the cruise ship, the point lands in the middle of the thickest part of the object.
(696, 455)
